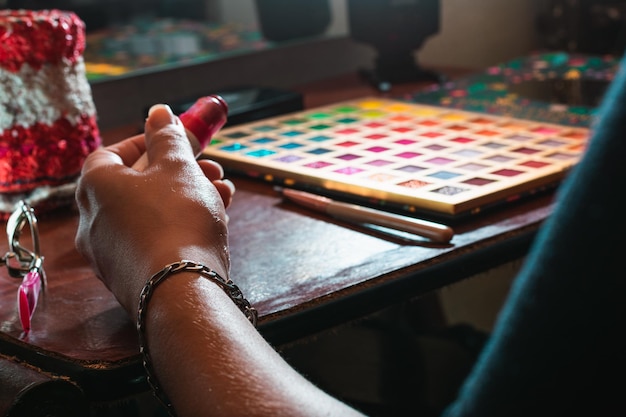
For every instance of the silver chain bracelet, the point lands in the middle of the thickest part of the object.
(146, 293)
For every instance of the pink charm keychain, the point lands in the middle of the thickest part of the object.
(27, 297)
(24, 261)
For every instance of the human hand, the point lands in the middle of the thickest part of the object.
(133, 223)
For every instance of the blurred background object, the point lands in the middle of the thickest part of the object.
(585, 26)
(396, 29)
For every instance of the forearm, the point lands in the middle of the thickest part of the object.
(211, 361)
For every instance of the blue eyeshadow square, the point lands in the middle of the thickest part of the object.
(292, 133)
(237, 135)
(233, 147)
(265, 128)
(443, 175)
(264, 139)
(319, 151)
(291, 145)
(319, 138)
(259, 153)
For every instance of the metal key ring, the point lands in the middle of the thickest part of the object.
(20, 260)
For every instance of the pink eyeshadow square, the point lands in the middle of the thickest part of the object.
(478, 181)
(576, 135)
(318, 164)
(487, 133)
(534, 164)
(408, 155)
(461, 139)
(482, 121)
(376, 136)
(413, 183)
(401, 129)
(545, 130)
(525, 150)
(507, 172)
(431, 134)
(377, 149)
(349, 170)
(405, 142)
(381, 177)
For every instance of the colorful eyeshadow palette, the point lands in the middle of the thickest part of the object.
(408, 157)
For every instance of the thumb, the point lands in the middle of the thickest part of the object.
(165, 136)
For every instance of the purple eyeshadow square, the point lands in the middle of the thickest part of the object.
(435, 147)
(449, 190)
(288, 158)
(440, 160)
(519, 138)
(378, 162)
(553, 143)
(493, 145)
(472, 166)
(410, 169)
(561, 156)
(499, 158)
(348, 157)
(468, 153)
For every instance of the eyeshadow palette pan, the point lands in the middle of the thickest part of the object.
(409, 157)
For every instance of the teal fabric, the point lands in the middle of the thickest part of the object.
(559, 346)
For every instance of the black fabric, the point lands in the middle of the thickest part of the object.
(559, 347)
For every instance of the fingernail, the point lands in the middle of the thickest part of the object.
(230, 185)
(161, 115)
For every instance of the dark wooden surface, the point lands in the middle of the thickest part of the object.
(303, 271)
